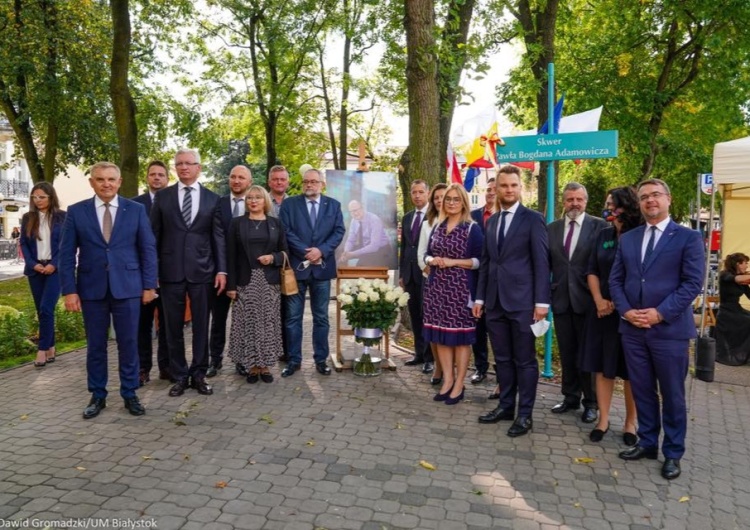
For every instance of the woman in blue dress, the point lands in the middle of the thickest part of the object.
(453, 256)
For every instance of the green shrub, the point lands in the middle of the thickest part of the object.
(68, 325)
(15, 328)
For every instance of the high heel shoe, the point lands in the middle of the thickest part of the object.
(454, 400)
(597, 434)
(443, 397)
(436, 381)
(37, 362)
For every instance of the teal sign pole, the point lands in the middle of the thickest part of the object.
(550, 203)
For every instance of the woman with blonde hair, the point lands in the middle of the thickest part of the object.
(453, 255)
(255, 253)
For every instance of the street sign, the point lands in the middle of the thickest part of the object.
(707, 183)
(568, 146)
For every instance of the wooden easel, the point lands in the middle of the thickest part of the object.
(354, 273)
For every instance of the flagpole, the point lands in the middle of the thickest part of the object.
(550, 204)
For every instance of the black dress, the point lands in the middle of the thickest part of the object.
(732, 323)
(602, 348)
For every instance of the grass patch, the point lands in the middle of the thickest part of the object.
(19, 332)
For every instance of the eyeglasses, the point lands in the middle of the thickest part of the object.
(452, 200)
(653, 195)
(249, 199)
(39, 197)
(186, 164)
(311, 182)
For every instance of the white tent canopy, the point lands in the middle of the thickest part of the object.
(732, 161)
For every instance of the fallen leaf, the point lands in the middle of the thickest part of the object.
(311, 443)
(425, 464)
(180, 423)
(80, 468)
(577, 505)
(360, 399)
(146, 457)
(221, 484)
(584, 460)
(268, 419)
(24, 416)
(684, 498)
(252, 462)
(477, 492)
(186, 457)
(615, 473)
(399, 426)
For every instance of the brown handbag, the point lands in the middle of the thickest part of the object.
(288, 280)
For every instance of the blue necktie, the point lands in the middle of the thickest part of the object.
(501, 233)
(313, 212)
(649, 247)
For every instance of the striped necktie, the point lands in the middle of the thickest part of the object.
(187, 205)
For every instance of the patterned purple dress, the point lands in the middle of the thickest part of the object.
(448, 292)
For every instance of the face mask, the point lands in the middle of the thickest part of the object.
(606, 214)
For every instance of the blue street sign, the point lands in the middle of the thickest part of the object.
(707, 183)
(567, 146)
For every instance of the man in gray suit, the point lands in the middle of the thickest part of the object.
(571, 240)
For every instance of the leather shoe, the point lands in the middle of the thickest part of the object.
(597, 434)
(428, 367)
(134, 406)
(143, 377)
(494, 395)
(178, 388)
(414, 362)
(201, 386)
(478, 378)
(96, 405)
(323, 368)
(289, 370)
(436, 381)
(563, 407)
(671, 468)
(521, 426)
(253, 378)
(266, 377)
(629, 438)
(213, 370)
(589, 415)
(637, 452)
(496, 415)
(241, 370)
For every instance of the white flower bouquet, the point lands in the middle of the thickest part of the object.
(371, 304)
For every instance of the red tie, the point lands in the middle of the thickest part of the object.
(569, 238)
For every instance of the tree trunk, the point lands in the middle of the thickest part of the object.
(345, 84)
(328, 110)
(122, 101)
(270, 129)
(424, 160)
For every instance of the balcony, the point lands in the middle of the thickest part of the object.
(15, 188)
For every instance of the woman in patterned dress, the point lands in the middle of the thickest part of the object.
(255, 247)
(453, 256)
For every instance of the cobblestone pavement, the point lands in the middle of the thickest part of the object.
(344, 452)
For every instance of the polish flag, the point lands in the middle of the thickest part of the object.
(452, 165)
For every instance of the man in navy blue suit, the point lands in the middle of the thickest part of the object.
(116, 273)
(229, 206)
(515, 292)
(657, 274)
(192, 262)
(481, 361)
(314, 227)
(157, 178)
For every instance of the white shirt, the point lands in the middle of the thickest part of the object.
(660, 228)
(508, 219)
(44, 241)
(576, 231)
(240, 205)
(196, 194)
(99, 204)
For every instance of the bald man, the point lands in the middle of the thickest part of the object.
(367, 241)
(229, 206)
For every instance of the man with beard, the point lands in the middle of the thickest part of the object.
(514, 290)
(228, 207)
(571, 240)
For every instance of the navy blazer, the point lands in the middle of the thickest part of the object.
(28, 245)
(326, 236)
(478, 216)
(570, 289)
(195, 253)
(517, 278)
(670, 280)
(125, 266)
(223, 213)
(145, 200)
(408, 265)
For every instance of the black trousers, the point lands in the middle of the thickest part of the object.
(576, 384)
(145, 327)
